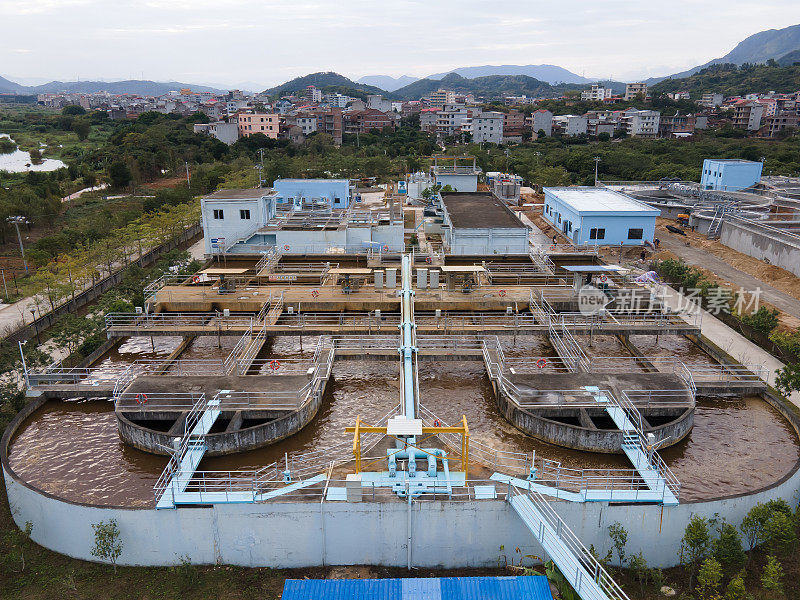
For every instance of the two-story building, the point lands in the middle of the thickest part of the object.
(335, 193)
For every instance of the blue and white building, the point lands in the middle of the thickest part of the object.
(730, 174)
(596, 215)
(232, 215)
(336, 193)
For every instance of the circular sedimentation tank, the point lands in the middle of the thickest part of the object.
(72, 450)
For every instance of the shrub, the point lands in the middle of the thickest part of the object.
(772, 575)
(763, 320)
(695, 545)
(708, 578)
(728, 549)
(619, 537)
(107, 543)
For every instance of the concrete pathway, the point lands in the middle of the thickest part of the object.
(732, 342)
(536, 236)
(700, 257)
(197, 250)
(80, 193)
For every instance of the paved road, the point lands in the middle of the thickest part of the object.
(703, 258)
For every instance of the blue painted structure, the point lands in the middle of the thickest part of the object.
(599, 216)
(422, 588)
(334, 192)
(730, 174)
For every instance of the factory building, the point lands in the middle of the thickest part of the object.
(730, 174)
(479, 223)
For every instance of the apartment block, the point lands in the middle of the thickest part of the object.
(635, 89)
(487, 127)
(266, 123)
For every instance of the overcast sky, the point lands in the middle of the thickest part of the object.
(266, 42)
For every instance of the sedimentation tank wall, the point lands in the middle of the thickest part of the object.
(295, 534)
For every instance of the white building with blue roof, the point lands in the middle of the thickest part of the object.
(596, 215)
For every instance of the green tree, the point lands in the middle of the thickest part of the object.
(639, 570)
(708, 578)
(120, 174)
(728, 549)
(619, 537)
(753, 527)
(772, 576)
(73, 110)
(107, 543)
(736, 589)
(787, 379)
(779, 533)
(82, 128)
(763, 320)
(695, 545)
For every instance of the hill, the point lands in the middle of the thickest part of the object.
(322, 80)
(733, 80)
(386, 82)
(758, 48)
(491, 86)
(551, 74)
(9, 87)
(130, 86)
(788, 60)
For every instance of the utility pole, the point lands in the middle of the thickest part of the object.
(596, 162)
(188, 184)
(16, 221)
(5, 287)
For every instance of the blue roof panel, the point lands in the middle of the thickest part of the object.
(445, 588)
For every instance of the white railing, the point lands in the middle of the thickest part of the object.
(552, 532)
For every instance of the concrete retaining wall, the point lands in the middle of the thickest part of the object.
(750, 240)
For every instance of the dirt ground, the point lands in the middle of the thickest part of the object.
(775, 276)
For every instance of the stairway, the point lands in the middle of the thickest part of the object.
(583, 572)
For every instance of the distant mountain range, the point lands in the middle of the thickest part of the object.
(551, 74)
(131, 86)
(386, 82)
(758, 48)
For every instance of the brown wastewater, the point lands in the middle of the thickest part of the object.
(72, 450)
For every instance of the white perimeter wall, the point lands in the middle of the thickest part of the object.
(445, 534)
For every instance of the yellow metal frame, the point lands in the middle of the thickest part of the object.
(360, 428)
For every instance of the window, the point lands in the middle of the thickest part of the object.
(597, 233)
(559, 218)
(218, 214)
(635, 234)
(244, 213)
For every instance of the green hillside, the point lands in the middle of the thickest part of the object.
(323, 80)
(731, 80)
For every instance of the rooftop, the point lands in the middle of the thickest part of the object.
(733, 161)
(238, 194)
(599, 200)
(477, 210)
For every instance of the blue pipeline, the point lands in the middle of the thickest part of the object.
(407, 350)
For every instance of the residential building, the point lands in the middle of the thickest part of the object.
(640, 123)
(427, 119)
(307, 122)
(680, 96)
(747, 114)
(635, 89)
(676, 125)
(362, 121)
(542, 120)
(730, 174)
(599, 216)
(266, 123)
(441, 97)
(487, 127)
(711, 100)
(335, 193)
(597, 93)
(224, 132)
(451, 119)
(378, 102)
(330, 121)
(313, 93)
(337, 100)
(513, 126)
(776, 125)
(571, 125)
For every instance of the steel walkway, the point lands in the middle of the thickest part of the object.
(583, 572)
